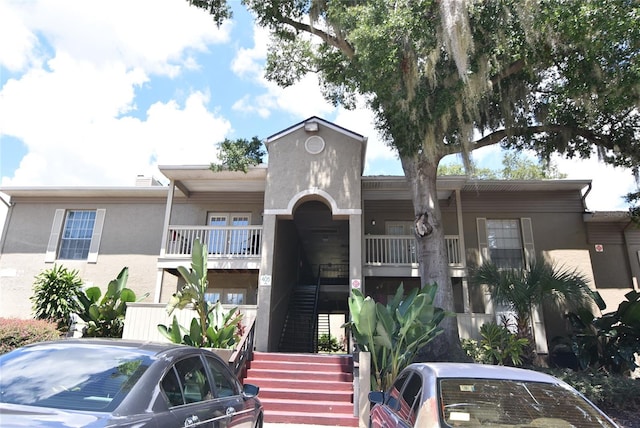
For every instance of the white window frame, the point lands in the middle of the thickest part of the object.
(525, 235)
(57, 230)
(223, 293)
(223, 241)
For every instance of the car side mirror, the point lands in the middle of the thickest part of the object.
(250, 390)
(376, 397)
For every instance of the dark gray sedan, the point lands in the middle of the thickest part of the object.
(434, 395)
(117, 383)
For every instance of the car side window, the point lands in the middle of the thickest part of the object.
(224, 385)
(171, 387)
(187, 382)
(393, 396)
(411, 397)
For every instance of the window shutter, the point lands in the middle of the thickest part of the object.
(54, 237)
(483, 242)
(527, 241)
(97, 235)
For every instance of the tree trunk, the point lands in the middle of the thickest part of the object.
(421, 174)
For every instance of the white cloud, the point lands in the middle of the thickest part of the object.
(303, 99)
(609, 184)
(72, 105)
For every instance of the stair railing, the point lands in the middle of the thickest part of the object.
(314, 327)
(244, 351)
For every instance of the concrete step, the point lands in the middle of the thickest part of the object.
(297, 388)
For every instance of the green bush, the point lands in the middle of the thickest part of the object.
(54, 295)
(607, 391)
(104, 314)
(15, 333)
(327, 343)
(498, 346)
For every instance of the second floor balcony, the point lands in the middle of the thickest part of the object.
(220, 241)
(243, 243)
(393, 250)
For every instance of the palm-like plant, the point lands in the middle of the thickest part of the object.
(522, 290)
(54, 295)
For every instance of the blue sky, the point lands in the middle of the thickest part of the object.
(95, 93)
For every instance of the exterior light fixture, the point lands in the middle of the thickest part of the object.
(311, 126)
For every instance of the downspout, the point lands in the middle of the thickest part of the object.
(584, 197)
(163, 245)
(9, 206)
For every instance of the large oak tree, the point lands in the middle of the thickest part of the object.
(451, 76)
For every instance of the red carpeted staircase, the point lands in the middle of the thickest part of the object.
(304, 388)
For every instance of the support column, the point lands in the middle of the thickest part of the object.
(355, 252)
(263, 315)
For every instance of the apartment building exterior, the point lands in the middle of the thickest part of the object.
(308, 218)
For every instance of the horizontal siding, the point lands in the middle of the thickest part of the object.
(483, 202)
(605, 233)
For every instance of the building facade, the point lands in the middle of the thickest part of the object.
(309, 223)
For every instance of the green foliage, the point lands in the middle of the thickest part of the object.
(15, 333)
(610, 341)
(522, 289)
(104, 315)
(394, 333)
(514, 167)
(328, 343)
(239, 155)
(54, 295)
(499, 346)
(222, 330)
(213, 327)
(607, 391)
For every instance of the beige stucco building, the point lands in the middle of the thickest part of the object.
(309, 222)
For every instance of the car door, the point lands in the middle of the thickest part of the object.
(241, 411)
(189, 395)
(401, 402)
(387, 413)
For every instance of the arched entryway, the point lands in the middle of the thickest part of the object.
(312, 257)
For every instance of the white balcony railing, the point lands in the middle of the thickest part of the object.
(401, 250)
(220, 241)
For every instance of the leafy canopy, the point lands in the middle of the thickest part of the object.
(239, 154)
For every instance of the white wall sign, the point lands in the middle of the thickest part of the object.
(265, 280)
(355, 283)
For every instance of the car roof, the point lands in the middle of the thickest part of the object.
(481, 371)
(146, 347)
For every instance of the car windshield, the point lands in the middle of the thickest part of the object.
(92, 378)
(505, 403)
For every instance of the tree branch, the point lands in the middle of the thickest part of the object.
(336, 42)
(513, 68)
(497, 136)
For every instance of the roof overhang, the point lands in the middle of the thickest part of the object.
(85, 192)
(200, 178)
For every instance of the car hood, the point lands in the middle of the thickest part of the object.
(14, 415)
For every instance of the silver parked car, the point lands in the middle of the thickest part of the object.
(118, 383)
(429, 395)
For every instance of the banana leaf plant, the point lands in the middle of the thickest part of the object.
(394, 333)
(213, 327)
(104, 314)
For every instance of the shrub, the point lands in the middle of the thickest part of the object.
(15, 333)
(498, 346)
(54, 295)
(395, 333)
(104, 315)
(213, 327)
(607, 391)
(327, 343)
